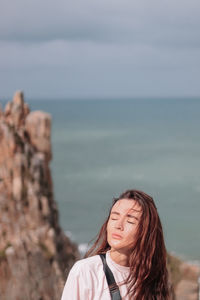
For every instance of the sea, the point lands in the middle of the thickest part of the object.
(101, 147)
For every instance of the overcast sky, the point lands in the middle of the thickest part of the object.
(100, 49)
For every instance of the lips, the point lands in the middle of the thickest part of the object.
(116, 236)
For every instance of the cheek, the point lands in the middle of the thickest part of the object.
(109, 228)
(131, 233)
(109, 237)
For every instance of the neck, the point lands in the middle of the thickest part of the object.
(119, 258)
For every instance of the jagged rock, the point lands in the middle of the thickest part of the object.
(38, 127)
(187, 290)
(184, 277)
(187, 287)
(16, 111)
(35, 254)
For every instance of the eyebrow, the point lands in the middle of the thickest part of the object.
(129, 216)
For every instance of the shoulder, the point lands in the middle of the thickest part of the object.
(90, 264)
(86, 280)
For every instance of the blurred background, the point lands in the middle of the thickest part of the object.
(121, 81)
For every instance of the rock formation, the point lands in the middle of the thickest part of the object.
(35, 254)
(184, 277)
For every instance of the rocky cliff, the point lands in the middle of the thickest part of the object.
(35, 254)
(184, 277)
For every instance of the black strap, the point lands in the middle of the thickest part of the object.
(113, 287)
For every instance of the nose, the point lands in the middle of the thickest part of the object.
(119, 224)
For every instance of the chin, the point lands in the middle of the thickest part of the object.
(116, 247)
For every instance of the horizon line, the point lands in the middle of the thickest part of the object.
(103, 98)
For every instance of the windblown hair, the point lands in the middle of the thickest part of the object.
(148, 277)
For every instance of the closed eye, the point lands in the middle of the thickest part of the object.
(130, 222)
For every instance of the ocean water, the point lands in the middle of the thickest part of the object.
(103, 147)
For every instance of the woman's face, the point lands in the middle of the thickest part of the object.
(122, 225)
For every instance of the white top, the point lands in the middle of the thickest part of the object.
(87, 280)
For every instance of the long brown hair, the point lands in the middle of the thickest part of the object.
(148, 277)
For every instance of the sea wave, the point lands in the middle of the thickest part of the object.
(82, 247)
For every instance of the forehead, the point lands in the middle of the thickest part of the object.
(124, 206)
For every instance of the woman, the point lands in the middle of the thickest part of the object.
(132, 239)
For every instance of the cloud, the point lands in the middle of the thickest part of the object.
(100, 48)
(139, 22)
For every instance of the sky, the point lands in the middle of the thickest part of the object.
(100, 48)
